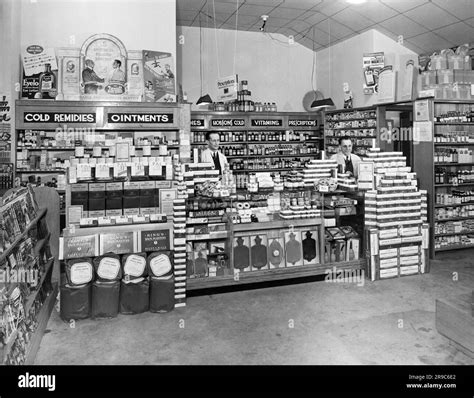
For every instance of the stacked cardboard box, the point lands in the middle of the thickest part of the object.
(397, 236)
(316, 170)
(179, 240)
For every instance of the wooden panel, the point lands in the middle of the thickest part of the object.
(454, 320)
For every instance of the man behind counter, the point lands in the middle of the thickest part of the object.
(212, 154)
(346, 158)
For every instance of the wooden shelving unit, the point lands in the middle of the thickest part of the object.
(247, 125)
(428, 170)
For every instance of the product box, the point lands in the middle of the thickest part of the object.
(80, 196)
(97, 197)
(117, 242)
(147, 197)
(131, 198)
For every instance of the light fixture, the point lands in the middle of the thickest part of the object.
(203, 99)
(264, 19)
(356, 1)
(319, 105)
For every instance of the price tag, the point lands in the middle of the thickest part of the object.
(102, 171)
(83, 171)
(138, 169)
(120, 170)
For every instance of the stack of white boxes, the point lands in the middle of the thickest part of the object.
(394, 216)
(316, 170)
(179, 226)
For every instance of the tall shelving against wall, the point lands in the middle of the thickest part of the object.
(260, 141)
(445, 164)
(358, 123)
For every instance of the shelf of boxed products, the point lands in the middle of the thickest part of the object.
(454, 164)
(395, 218)
(454, 247)
(73, 148)
(358, 123)
(455, 185)
(274, 227)
(442, 205)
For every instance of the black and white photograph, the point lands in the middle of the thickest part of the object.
(237, 195)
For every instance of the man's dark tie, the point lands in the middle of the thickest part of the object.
(217, 163)
(349, 165)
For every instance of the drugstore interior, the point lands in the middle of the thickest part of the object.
(116, 208)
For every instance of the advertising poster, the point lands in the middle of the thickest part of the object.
(372, 63)
(227, 88)
(104, 69)
(36, 72)
(159, 76)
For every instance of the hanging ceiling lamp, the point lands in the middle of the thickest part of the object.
(203, 99)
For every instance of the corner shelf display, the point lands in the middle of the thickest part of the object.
(265, 234)
(276, 141)
(27, 294)
(358, 123)
(453, 197)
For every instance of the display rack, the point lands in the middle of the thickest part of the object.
(48, 132)
(445, 165)
(275, 228)
(360, 124)
(260, 141)
(20, 349)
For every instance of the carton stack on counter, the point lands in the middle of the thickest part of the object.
(424, 205)
(179, 241)
(346, 182)
(394, 214)
(317, 170)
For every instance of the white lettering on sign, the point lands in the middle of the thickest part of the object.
(140, 118)
(262, 122)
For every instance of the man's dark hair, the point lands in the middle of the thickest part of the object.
(345, 137)
(119, 62)
(208, 134)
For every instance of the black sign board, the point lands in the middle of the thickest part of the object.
(156, 240)
(58, 117)
(150, 118)
(267, 122)
(228, 122)
(302, 123)
(197, 122)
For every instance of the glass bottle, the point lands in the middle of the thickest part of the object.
(47, 82)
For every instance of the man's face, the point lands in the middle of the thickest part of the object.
(346, 147)
(213, 142)
(115, 65)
